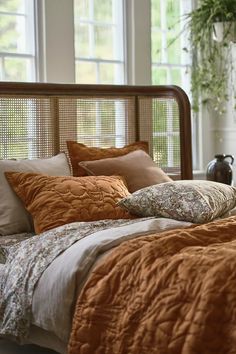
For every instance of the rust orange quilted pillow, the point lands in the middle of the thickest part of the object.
(55, 201)
(79, 152)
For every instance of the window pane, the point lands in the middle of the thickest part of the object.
(17, 40)
(173, 48)
(176, 76)
(173, 14)
(159, 76)
(85, 72)
(156, 46)
(17, 69)
(103, 10)
(81, 9)
(12, 5)
(107, 73)
(168, 44)
(82, 41)
(12, 34)
(156, 13)
(111, 73)
(103, 42)
(99, 39)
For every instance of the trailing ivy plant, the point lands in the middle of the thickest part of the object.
(211, 59)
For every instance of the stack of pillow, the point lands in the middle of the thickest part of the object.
(45, 190)
(119, 183)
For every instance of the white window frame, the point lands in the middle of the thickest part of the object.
(118, 47)
(30, 52)
(55, 59)
(185, 65)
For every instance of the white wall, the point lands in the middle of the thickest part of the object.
(138, 29)
(56, 49)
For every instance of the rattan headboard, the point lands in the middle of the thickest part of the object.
(36, 119)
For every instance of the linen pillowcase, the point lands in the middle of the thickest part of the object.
(14, 217)
(195, 201)
(55, 201)
(136, 167)
(79, 152)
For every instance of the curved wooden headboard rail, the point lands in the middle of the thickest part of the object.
(37, 118)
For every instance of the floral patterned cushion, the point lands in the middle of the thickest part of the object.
(188, 200)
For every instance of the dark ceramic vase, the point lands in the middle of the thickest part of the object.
(220, 169)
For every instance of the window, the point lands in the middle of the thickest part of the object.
(17, 40)
(171, 63)
(99, 41)
(98, 36)
(170, 58)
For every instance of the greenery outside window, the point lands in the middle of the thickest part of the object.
(171, 65)
(99, 52)
(171, 61)
(17, 40)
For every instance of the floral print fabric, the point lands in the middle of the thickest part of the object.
(24, 265)
(10, 240)
(187, 200)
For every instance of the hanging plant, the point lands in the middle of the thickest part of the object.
(211, 58)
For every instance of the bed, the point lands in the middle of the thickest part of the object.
(107, 244)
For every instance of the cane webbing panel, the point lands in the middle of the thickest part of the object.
(37, 119)
(100, 121)
(26, 128)
(39, 127)
(159, 124)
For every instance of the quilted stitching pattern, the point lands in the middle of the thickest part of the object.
(55, 201)
(166, 293)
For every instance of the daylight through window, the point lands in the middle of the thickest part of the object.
(99, 41)
(17, 40)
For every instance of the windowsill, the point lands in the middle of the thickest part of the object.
(199, 174)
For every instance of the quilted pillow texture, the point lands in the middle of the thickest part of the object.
(55, 201)
(136, 167)
(195, 201)
(14, 217)
(79, 152)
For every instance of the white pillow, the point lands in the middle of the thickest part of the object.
(13, 216)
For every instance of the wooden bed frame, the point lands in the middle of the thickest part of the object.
(59, 111)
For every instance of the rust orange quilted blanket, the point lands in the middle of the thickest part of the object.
(173, 292)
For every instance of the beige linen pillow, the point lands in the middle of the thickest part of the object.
(188, 200)
(13, 216)
(137, 167)
(79, 152)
